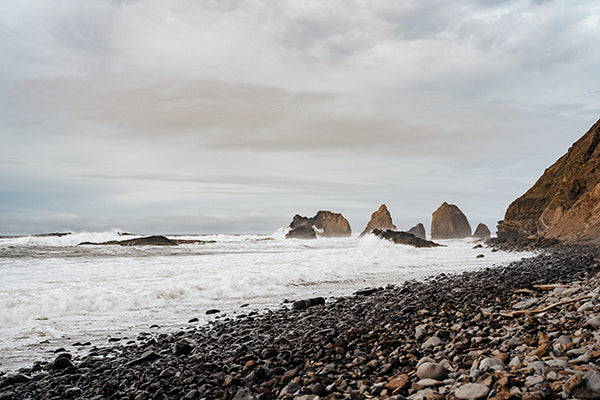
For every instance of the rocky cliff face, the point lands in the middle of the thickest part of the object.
(564, 203)
(380, 219)
(326, 224)
(448, 222)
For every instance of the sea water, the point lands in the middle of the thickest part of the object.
(54, 293)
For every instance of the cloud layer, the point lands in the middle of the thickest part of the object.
(114, 111)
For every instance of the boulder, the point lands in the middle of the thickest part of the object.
(448, 222)
(482, 232)
(418, 230)
(564, 204)
(403, 238)
(380, 219)
(325, 223)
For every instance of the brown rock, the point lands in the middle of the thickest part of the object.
(448, 222)
(143, 241)
(482, 232)
(564, 203)
(399, 382)
(543, 349)
(418, 230)
(325, 223)
(572, 383)
(380, 219)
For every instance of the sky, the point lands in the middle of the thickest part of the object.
(184, 116)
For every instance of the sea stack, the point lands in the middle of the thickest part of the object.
(325, 224)
(448, 222)
(482, 232)
(564, 203)
(380, 219)
(419, 231)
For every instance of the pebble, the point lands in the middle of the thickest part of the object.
(429, 370)
(472, 391)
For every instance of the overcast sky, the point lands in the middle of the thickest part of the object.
(173, 116)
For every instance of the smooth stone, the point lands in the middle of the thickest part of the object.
(534, 380)
(420, 332)
(524, 304)
(592, 380)
(472, 391)
(594, 321)
(291, 388)
(538, 366)
(429, 370)
(491, 363)
(424, 360)
(432, 342)
(244, 394)
(427, 383)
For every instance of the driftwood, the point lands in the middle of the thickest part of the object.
(550, 286)
(532, 312)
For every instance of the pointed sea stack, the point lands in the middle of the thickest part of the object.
(380, 219)
(325, 223)
(419, 231)
(564, 204)
(482, 232)
(448, 222)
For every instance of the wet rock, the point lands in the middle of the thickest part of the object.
(419, 231)
(302, 304)
(380, 219)
(448, 222)
(404, 238)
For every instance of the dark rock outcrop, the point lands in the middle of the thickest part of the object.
(302, 232)
(448, 222)
(325, 223)
(482, 232)
(380, 219)
(564, 203)
(403, 238)
(418, 230)
(143, 241)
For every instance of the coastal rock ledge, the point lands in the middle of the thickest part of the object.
(404, 238)
(380, 219)
(325, 224)
(448, 222)
(564, 204)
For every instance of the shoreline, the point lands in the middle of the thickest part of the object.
(363, 346)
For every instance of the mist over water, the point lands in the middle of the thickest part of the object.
(55, 293)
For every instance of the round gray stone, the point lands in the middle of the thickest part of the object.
(429, 370)
(472, 391)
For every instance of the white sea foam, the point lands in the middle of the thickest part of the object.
(55, 292)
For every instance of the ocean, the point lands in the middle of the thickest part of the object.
(56, 294)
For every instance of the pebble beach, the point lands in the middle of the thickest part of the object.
(523, 331)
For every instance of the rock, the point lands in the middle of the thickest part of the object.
(482, 232)
(593, 322)
(212, 311)
(472, 391)
(301, 304)
(399, 382)
(182, 348)
(244, 394)
(404, 238)
(291, 388)
(419, 231)
(491, 363)
(564, 204)
(380, 219)
(302, 232)
(63, 361)
(146, 357)
(144, 241)
(429, 370)
(325, 223)
(592, 381)
(433, 342)
(448, 222)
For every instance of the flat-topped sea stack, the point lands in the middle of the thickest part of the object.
(564, 204)
(448, 222)
(403, 238)
(325, 224)
(419, 231)
(482, 232)
(380, 219)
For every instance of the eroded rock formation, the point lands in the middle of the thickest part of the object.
(482, 232)
(418, 230)
(325, 223)
(403, 238)
(380, 219)
(448, 222)
(564, 203)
